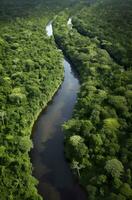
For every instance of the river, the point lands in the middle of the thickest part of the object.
(56, 181)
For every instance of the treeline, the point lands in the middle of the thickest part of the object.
(25, 8)
(110, 22)
(31, 71)
(16, 8)
(98, 139)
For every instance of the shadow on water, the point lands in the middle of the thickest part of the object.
(56, 181)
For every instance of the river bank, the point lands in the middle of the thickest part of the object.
(56, 181)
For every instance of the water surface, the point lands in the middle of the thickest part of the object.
(56, 181)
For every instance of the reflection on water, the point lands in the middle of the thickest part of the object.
(69, 23)
(49, 29)
(50, 167)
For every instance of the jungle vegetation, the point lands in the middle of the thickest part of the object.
(98, 139)
(31, 71)
(110, 22)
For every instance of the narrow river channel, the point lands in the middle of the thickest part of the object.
(50, 167)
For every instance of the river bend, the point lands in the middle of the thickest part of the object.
(56, 181)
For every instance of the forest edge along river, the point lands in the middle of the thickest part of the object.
(50, 167)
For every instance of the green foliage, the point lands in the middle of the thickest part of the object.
(30, 73)
(110, 22)
(98, 140)
(126, 190)
(102, 115)
(76, 148)
(111, 124)
(114, 167)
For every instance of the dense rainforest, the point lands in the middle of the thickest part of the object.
(110, 22)
(31, 71)
(98, 139)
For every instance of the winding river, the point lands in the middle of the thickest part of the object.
(56, 181)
